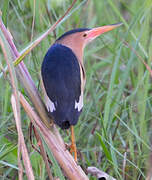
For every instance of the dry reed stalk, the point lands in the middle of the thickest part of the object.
(52, 138)
(22, 150)
(139, 57)
(21, 143)
(43, 153)
(64, 158)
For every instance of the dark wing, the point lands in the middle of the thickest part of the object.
(61, 78)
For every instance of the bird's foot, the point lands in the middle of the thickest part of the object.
(73, 149)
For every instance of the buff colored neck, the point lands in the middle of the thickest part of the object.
(76, 46)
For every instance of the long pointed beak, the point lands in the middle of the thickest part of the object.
(95, 32)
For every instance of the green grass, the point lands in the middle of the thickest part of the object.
(116, 118)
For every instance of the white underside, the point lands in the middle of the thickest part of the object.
(79, 105)
(50, 105)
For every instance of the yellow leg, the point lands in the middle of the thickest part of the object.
(73, 148)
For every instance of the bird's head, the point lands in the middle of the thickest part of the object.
(77, 39)
(89, 35)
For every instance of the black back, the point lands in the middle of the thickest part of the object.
(61, 77)
(72, 31)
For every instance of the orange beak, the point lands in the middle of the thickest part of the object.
(95, 32)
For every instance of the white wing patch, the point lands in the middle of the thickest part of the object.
(79, 105)
(50, 105)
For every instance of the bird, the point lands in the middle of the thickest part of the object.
(63, 76)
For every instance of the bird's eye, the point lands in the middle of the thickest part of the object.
(85, 35)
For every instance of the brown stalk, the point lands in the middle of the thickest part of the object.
(50, 19)
(25, 78)
(62, 155)
(124, 165)
(16, 109)
(43, 153)
(33, 20)
(140, 58)
(52, 138)
(99, 174)
(52, 28)
(149, 167)
(24, 75)
(22, 146)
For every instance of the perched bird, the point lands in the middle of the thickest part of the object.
(63, 76)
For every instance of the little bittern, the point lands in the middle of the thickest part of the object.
(64, 78)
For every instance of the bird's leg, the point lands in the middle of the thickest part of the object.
(73, 148)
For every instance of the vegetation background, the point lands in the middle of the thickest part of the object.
(114, 130)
